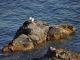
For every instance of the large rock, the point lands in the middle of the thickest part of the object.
(59, 54)
(36, 32)
(28, 35)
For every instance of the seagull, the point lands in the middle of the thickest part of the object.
(31, 19)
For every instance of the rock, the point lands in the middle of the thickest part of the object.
(28, 35)
(16, 48)
(33, 33)
(59, 32)
(59, 54)
(21, 43)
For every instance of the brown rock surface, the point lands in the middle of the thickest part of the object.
(59, 32)
(35, 33)
(28, 35)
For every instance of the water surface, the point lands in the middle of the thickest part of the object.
(13, 13)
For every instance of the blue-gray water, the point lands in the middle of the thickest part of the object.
(14, 12)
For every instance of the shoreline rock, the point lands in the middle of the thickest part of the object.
(34, 33)
(59, 54)
(60, 32)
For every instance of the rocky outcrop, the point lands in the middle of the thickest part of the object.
(33, 33)
(28, 35)
(59, 32)
(59, 54)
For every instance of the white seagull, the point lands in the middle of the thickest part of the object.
(31, 19)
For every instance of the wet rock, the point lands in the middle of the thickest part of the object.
(33, 33)
(59, 54)
(16, 48)
(23, 42)
(28, 35)
(60, 32)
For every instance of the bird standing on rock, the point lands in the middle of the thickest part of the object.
(31, 19)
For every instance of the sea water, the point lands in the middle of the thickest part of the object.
(13, 13)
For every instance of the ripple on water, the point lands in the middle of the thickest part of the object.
(14, 12)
